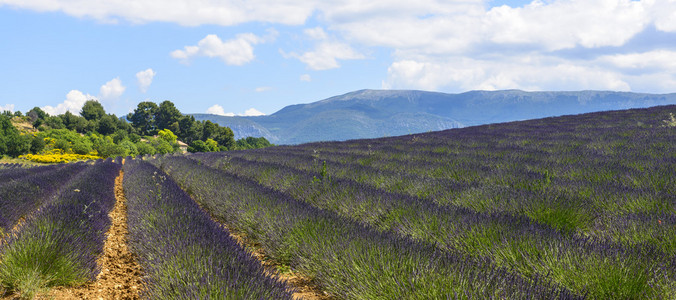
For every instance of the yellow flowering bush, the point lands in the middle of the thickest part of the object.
(59, 156)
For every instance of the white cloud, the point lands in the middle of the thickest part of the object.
(252, 112)
(507, 47)
(112, 89)
(316, 33)
(437, 33)
(646, 71)
(521, 72)
(184, 12)
(144, 79)
(401, 23)
(7, 107)
(305, 77)
(75, 99)
(237, 51)
(218, 110)
(653, 60)
(325, 56)
(73, 103)
(262, 89)
(326, 52)
(448, 44)
(567, 24)
(665, 15)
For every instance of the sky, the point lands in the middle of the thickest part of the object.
(252, 57)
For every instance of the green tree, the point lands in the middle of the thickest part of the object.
(105, 146)
(54, 123)
(167, 135)
(209, 130)
(12, 143)
(202, 146)
(107, 124)
(37, 144)
(82, 146)
(4, 134)
(212, 145)
(161, 145)
(195, 131)
(198, 146)
(187, 129)
(119, 136)
(167, 114)
(225, 138)
(37, 123)
(123, 124)
(135, 138)
(252, 143)
(92, 110)
(170, 137)
(145, 148)
(73, 122)
(129, 148)
(36, 113)
(68, 139)
(90, 126)
(143, 118)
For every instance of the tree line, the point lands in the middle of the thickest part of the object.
(149, 129)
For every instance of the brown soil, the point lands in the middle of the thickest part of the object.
(14, 229)
(305, 288)
(120, 276)
(22, 125)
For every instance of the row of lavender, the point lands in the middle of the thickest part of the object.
(345, 258)
(185, 254)
(631, 220)
(511, 241)
(22, 191)
(10, 166)
(650, 221)
(59, 243)
(605, 175)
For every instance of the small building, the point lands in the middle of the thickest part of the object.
(183, 146)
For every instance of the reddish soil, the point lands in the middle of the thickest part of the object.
(120, 276)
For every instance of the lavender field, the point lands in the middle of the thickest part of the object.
(572, 207)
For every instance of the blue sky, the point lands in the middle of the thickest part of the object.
(251, 57)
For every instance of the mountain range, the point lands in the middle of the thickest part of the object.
(378, 113)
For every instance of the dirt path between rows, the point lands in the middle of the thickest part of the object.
(120, 276)
(14, 230)
(305, 288)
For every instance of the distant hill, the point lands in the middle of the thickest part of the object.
(378, 113)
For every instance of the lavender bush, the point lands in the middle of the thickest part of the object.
(184, 253)
(22, 191)
(347, 259)
(60, 243)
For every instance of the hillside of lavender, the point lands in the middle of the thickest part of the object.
(580, 206)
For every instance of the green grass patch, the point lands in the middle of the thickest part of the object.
(39, 260)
